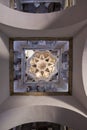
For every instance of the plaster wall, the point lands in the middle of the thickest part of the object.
(5, 2)
(4, 67)
(84, 67)
(79, 66)
(53, 114)
(65, 18)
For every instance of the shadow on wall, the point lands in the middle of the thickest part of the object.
(4, 43)
(4, 67)
(72, 101)
(46, 114)
(68, 17)
(84, 67)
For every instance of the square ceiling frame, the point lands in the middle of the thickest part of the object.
(11, 66)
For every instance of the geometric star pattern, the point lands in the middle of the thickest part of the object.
(42, 65)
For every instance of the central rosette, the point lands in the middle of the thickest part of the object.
(42, 65)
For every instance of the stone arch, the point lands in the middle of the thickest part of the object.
(22, 115)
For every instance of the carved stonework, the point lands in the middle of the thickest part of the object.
(42, 65)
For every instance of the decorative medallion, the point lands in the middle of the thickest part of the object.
(42, 65)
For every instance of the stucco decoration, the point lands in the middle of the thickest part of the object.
(42, 65)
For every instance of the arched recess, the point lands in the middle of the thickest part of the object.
(84, 67)
(46, 21)
(22, 115)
